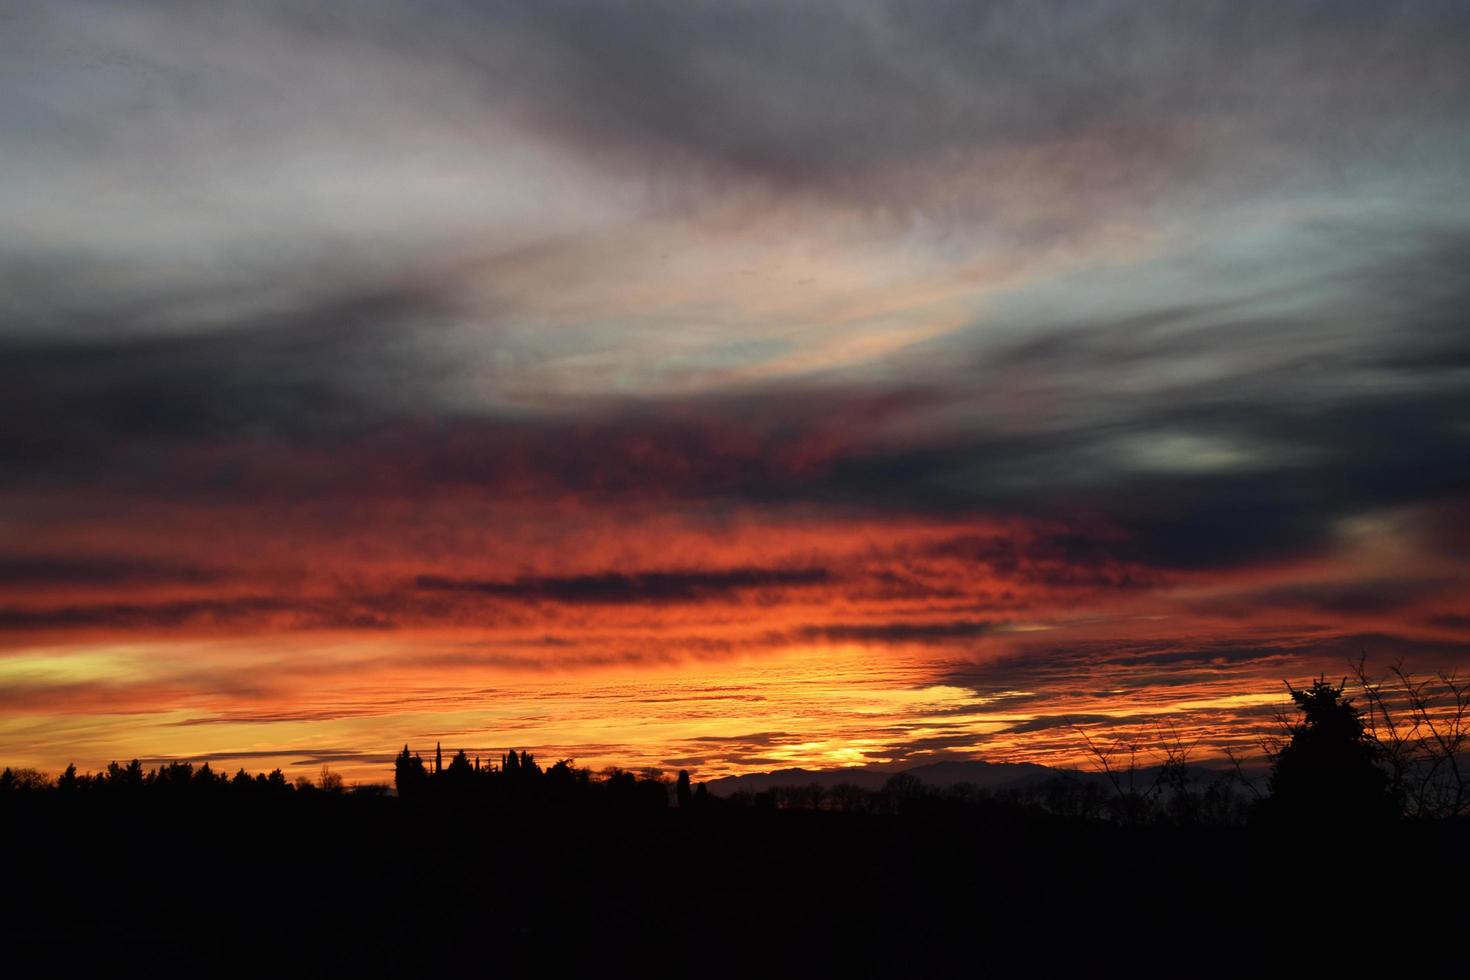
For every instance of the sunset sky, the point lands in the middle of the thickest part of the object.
(722, 386)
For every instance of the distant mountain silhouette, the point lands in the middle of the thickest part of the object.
(939, 775)
(984, 775)
(989, 775)
(758, 782)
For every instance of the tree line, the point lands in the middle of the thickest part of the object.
(516, 779)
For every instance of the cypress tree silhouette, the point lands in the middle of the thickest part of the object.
(682, 792)
(1327, 773)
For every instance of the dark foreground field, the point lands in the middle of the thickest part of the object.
(306, 883)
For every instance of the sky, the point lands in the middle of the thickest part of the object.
(722, 386)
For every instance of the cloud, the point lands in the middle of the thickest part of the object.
(48, 571)
(250, 613)
(904, 632)
(1335, 598)
(688, 585)
(751, 740)
(116, 401)
(1046, 722)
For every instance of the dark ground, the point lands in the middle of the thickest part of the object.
(323, 885)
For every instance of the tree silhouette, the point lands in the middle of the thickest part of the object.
(459, 775)
(1327, 772)
(330, 782)
(409, 774)
(23, 780)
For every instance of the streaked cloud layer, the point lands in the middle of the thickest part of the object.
(721, 385)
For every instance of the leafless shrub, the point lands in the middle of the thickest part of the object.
(1118, 763)
(1422, 727)
(1238, 774)
(330, 782)
(1152, 781)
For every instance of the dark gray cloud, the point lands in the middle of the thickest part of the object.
(901, 632)
(1043, 723)
(1335, 598)
(247, 612)
(47, 571)
(686, 585)
(752, 739)
(817, 90)
(78, 407)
